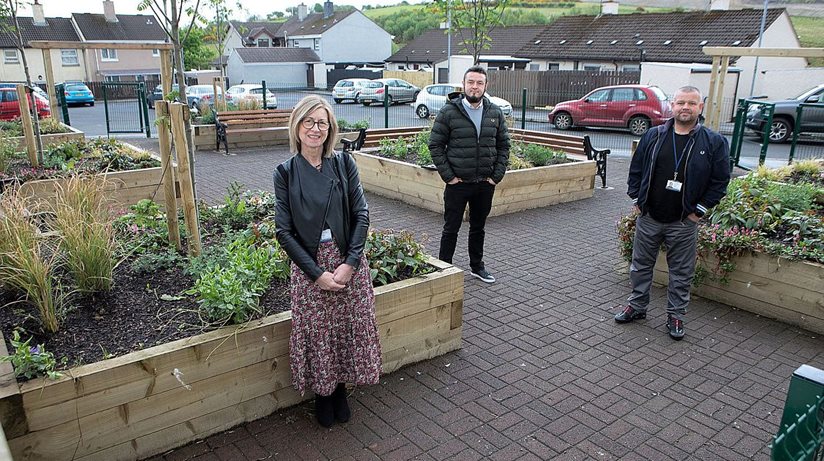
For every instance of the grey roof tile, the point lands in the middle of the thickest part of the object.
(664, 37)
(129, 27)
(57, 29)
(430, 46)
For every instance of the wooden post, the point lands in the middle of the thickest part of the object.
(170, 197)
(28, 128)
(719, 93)
(177, 112)
(166, 77)
(47, 62)
(220, 82)
(710, 111)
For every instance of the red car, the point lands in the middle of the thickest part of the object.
(10, 105)
(637, 107)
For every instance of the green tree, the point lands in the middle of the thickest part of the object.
(196, 53)
(318, 8)
(472, 20)
(274, 15)
(408, 24)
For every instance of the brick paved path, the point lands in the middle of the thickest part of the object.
(544, 372)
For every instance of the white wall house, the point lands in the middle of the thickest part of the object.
(279, 67)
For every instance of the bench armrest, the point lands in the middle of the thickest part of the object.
(600, 157)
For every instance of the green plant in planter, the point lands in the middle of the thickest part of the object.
(230, 292)
(8, 148)
(394, 256)
(81, 215)
(756, 215)
(27, 261)
(344, 126)
(30, 361)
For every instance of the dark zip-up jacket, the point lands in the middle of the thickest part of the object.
(308, 200)
(706, 174)
(458, 151)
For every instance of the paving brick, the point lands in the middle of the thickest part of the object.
(544, 372)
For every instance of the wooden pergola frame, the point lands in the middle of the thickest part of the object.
(721, 62)
(47, 45)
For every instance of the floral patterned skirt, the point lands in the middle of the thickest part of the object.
(334, 334)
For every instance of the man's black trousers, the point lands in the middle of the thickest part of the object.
(455, 197)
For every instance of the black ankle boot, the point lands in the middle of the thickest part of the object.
(340, 405)
(323, 410)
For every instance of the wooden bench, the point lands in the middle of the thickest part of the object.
(249, 122)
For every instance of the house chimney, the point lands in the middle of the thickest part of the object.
(719, 5)
(39, 17)
(301, 12)
(108, 11)
(328, 9)
(609, 7)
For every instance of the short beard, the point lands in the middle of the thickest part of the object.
(473, 99)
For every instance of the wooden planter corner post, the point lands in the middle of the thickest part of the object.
(28, 128)
(177, 112)
(162, 111)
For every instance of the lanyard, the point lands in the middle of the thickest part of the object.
(675, 154)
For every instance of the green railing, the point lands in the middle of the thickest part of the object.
(801, 433)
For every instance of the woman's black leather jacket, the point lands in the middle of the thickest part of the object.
(308, 200)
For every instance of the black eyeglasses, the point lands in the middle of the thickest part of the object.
(310, 123)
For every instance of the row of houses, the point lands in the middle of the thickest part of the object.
(301, 51)
(83, 65)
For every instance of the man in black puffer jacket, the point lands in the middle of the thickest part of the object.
(470, 146)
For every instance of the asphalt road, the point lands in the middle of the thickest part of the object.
(122, 116)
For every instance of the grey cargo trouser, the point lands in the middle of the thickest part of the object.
(680, 238)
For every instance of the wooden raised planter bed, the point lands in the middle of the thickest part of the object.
(125, 187)
(57, 138)
(520, 189)
(204, 137)
(790, 291)
(150, 401)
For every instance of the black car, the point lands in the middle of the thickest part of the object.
(783, 122)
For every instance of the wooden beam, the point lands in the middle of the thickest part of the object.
(178, 111)
(769, 52)
(170, 201)
(28, 127)
(716, 65)
(48, 44)
(47, 63)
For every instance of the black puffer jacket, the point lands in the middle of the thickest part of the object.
(456, 149)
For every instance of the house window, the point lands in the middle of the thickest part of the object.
(69, 58)
(108, 54)
(592, 67)
(631, 68)
(553, 66)
(112, 78)
(317, 44)
(155, 53)
(10, 57)
(534, 67)
(263, 43)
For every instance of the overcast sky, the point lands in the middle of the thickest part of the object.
(65, 8)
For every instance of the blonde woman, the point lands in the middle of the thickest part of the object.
(322, 221)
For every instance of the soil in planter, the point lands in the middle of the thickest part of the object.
(132, 316)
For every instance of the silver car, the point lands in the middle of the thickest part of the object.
(399, 91)
(433, 97)
(348, 88)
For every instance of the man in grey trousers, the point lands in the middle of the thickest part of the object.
(679, 171)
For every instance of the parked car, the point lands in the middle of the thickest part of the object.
(195, 94)
(783, 122)
(637, 107)
(399, 91)
(78, 93)
(157, 94)
(34, 88)
(433, 97)
(348, 88)
(10, 104)
(252, 91)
